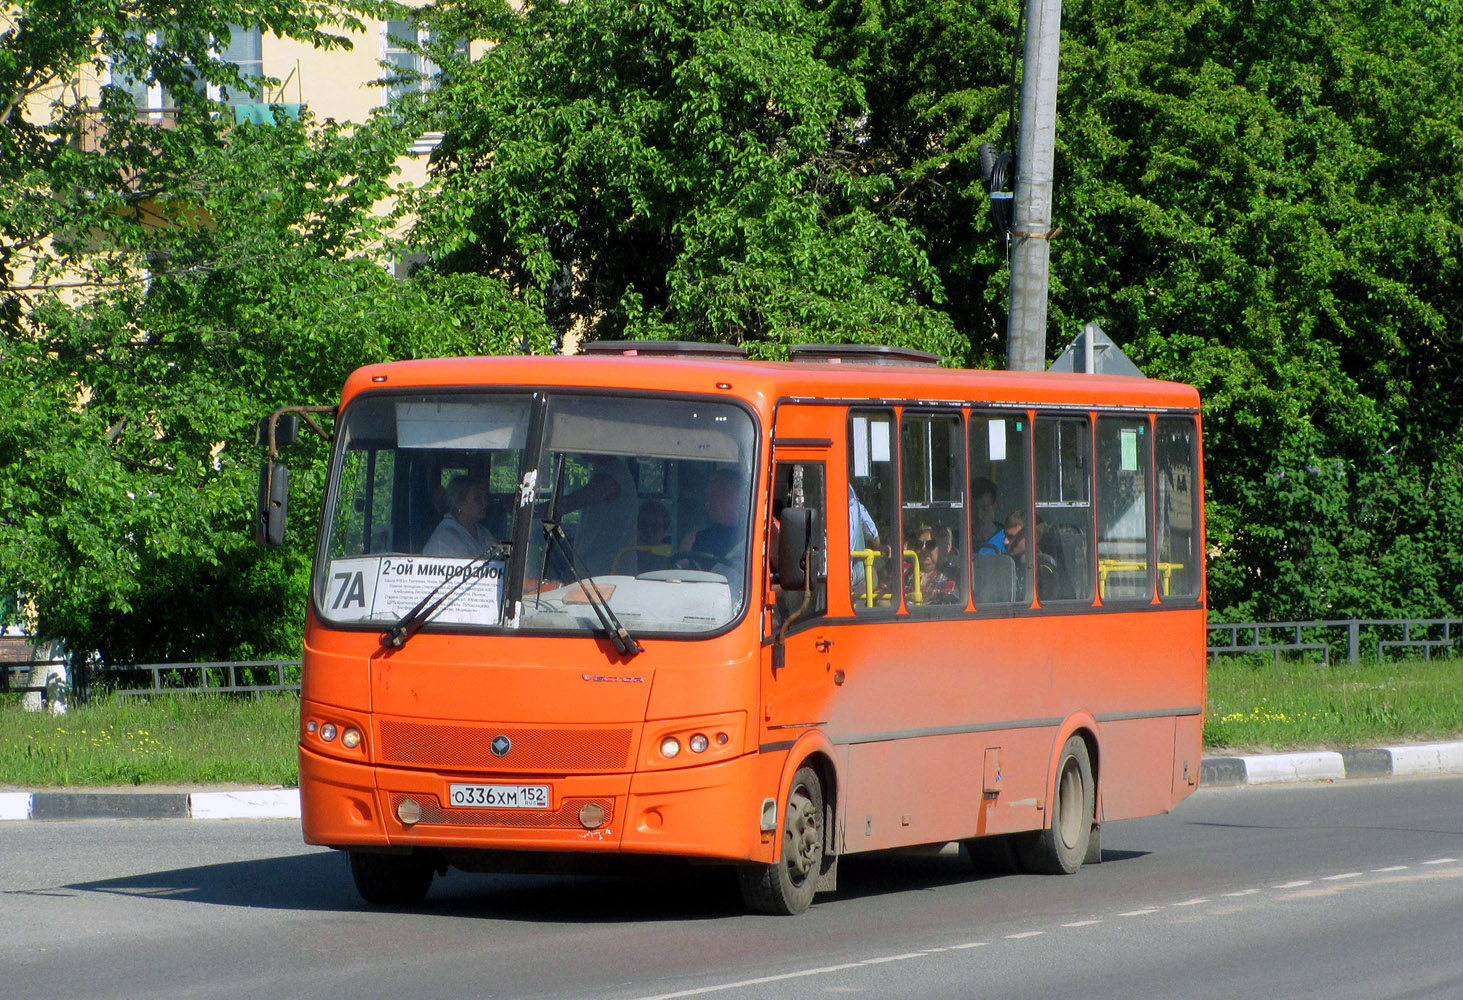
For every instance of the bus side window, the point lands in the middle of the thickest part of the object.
(932, 457)
(1123, 571)
(873, 497)
(1061, 559)
(1175, 444)
(1000, 496)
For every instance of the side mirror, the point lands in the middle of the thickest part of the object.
(286, 430)
(794, 546)
(274, 494)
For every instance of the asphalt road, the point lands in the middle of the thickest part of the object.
(1351, 890)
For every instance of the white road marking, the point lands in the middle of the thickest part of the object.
(883, 959)
(761, 980)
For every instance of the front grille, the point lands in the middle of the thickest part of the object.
(566, 817)
(418, 744)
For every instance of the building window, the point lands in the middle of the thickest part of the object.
(409, 69)
(244, 48)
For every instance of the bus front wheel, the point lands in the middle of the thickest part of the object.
(391, 879)
(1061, 848)
(786, 886)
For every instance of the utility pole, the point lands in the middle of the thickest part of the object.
(1031, 228)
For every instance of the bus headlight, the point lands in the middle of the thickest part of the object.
(693, 742)
(327, 732)
(351, 738)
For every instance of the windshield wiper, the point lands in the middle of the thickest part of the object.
(410, 623)
(554, 532)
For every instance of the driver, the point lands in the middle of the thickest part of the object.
(726, 534)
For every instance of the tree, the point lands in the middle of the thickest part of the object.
(1264, 201)
(225, 271)
(680, 168)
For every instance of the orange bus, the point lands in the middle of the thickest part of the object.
(663, 600)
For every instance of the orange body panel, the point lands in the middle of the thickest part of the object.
(930, 729)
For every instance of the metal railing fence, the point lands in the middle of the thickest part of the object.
(1353, 638)
(228, 677)
(1349, 638)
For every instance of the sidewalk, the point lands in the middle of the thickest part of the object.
(284, 803)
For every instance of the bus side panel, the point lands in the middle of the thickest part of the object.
(929, 790)
(1130, 753)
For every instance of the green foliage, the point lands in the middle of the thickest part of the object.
(686, 168)
(234, 272)
(1263, 200)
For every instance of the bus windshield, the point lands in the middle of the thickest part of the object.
(646, 502)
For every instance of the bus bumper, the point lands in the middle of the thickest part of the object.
(709, 812)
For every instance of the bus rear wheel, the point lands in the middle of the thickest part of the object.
(1061, 848)
(786, 886)
(391, 879)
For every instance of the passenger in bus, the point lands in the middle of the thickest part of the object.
(461, 534)
(936, 586)
(983, 523)
(721, 541)
(863, 536)
(1051, 580)
(1013, 544)
(608, 506)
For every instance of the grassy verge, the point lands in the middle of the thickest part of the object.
(1254, 706)
(1258, 705)
(136, 741)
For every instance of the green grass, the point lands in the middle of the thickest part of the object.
(1255, 705)
(135, 741)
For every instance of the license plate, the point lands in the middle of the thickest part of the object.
(499, 796)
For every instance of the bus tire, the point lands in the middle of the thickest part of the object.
(786, 887)
(391, 879)
(1061, 847)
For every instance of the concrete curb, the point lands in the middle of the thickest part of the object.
(1332, 765)
(261, 803)
(284, 803)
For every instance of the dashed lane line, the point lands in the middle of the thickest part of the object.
(1021, 935)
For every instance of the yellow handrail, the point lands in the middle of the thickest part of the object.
(1106, 566)
(867, 556)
